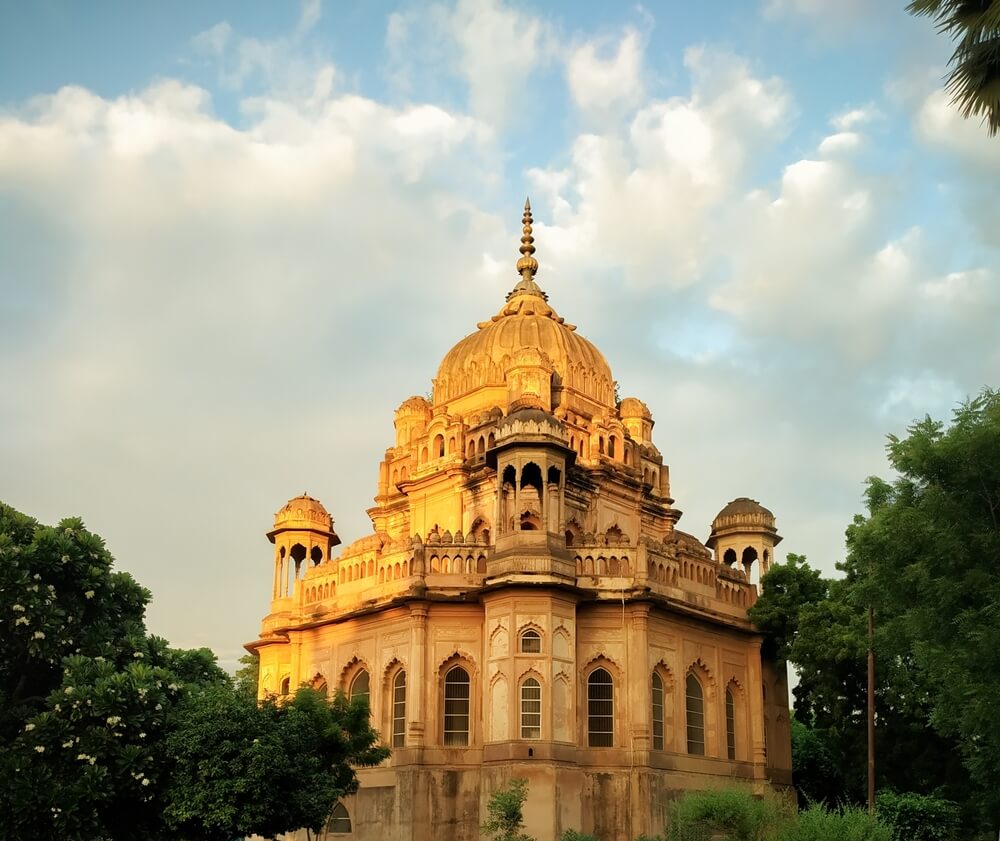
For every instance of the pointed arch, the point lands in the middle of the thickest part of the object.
(456, 675)
(530, 705)
(737, 731)
(662, 702)
(340, 820)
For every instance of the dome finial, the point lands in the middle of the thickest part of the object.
(527, 265)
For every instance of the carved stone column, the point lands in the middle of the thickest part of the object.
(416, 680)
(755, 709)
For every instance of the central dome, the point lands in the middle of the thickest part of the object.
(526, 322)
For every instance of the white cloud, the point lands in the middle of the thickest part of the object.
(286, 63)
(602, 84)
(640, 197)
(218, 303)
(494, 49)
(855, 117)
(841, 12)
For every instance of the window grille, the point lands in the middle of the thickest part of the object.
(657, 712)
(531, 642)
(531, 709)
(399, 710)
(600, 709)
(361, 688)
(695, 717)
(456, 706)
(730, 724)
(340, 820)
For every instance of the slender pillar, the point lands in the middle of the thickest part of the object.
(418, 684)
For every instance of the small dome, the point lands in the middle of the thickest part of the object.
(744, 505)
(303, 512)
(741, 515)
(633, 407)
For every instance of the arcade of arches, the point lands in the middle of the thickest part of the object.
(526, 605)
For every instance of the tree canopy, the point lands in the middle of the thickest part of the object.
(925, 558)
(111, 734)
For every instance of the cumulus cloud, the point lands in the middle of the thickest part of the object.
(286, 62)
(492, 47)
(213, 305)
(599, 82)
(639, 196)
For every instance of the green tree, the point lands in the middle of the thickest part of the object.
(927, 556)
(506, 810)
(248, 674)
(107, 731)
(788, 588)
(240, 768)
(974, 77)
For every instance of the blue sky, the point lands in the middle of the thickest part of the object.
(235, 236)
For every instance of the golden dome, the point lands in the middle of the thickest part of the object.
(525, 321)
(303, 512)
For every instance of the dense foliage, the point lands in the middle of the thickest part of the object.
(925, 557)
(110, 734)
(730, 813)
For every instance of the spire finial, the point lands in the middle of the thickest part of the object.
(527, 265)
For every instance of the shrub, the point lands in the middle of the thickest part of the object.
(818, 823)
(506, 816)
(573, 835)
(735, 814)
(918, 817)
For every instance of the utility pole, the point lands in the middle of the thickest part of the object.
(871, 710)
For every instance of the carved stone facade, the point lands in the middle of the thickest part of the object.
(527, 607)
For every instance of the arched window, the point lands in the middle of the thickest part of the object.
(531, 709)
(438, 446)
(531, 642)
(285, 684)
(729, 558)
(657, 712)
(600, 709)
(399, 709)
(730, 724)
(457, 695)
(360, 688)
(695, 706)
(611, 446)
(340, 820)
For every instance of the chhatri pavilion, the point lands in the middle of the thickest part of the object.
(526, 605)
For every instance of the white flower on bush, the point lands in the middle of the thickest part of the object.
(38, 635)
(114, 720)
(39, 748)
(28, 728)
(21, 620)
(18, 608)
(89, 594)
